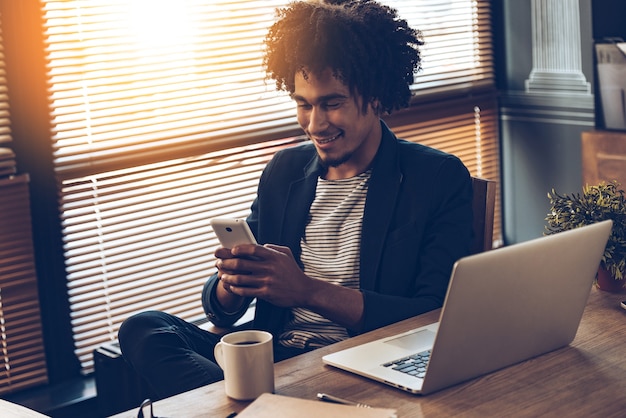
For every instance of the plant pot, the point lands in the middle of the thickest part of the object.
(605, 281)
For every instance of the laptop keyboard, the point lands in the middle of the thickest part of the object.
(414, 365)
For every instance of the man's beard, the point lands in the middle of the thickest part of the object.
(335, 162)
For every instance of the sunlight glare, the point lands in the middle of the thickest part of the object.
(162, 25)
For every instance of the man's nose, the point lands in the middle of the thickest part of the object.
(318, 120)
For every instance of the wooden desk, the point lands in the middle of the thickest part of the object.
(587, 378)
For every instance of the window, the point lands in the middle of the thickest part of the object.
(162, 119)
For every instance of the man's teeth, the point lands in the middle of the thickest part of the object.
(326, 141)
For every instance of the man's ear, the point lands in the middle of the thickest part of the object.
(375, 105)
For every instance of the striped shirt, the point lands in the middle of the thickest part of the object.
(330, 252)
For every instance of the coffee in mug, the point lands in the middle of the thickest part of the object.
(247, 358)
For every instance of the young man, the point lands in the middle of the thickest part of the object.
(358, 229)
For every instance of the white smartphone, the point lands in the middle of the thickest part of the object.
(232, 232)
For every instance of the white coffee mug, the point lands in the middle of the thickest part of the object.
(247, 358)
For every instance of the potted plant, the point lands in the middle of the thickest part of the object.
(596, 203)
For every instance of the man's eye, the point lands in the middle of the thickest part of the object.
(304, 106)
(332, 105)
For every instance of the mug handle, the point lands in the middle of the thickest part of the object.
(219, 354)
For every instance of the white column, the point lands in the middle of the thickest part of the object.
(557, 64)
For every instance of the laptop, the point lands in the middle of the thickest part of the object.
(502, 307)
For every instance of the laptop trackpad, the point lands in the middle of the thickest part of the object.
(414, 340)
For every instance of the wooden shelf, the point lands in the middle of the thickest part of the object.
(603, 157)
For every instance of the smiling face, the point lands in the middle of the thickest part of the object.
(346, 139)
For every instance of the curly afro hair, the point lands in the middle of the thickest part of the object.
(366, 45)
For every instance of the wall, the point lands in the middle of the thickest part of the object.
(546, 102)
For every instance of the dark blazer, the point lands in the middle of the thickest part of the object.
(417, 222)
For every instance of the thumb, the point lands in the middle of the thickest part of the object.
(279, 248)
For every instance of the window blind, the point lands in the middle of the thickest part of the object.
(139, 238)
(5, 128)
(458, 50)
(145, 81)
(22, 356)
(162, 118)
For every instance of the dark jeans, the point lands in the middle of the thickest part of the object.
(172, 355)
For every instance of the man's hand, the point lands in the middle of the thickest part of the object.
(271, 273)
(266, 272)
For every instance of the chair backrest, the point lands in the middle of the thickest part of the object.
(483, 204)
